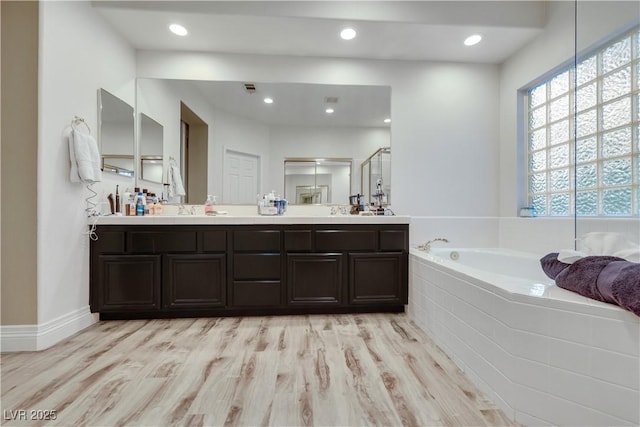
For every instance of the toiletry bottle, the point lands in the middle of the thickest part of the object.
(147, 201)
(125, 203)
(140, 204)
(156, 204)
(159, 208)
(112, 208)
(117, 200)
(132, 204)
(209, 205)
(151, 206)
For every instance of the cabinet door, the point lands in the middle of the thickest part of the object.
(314, 279)
(376, 278)
(129, 282)
(194, 281)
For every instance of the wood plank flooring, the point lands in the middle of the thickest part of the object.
(323, 370)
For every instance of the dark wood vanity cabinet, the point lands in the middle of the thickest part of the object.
(214, 270)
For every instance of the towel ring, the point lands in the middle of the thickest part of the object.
(79, 120)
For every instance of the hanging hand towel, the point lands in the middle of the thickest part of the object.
(85, 158)
(175, 180)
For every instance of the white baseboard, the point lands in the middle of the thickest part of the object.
(42, 336)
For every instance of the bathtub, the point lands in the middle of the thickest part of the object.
(544, 355)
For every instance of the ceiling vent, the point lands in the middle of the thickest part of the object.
(331, 100)
(250, 88)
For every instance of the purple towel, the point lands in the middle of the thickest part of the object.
(625, 284)
(582, 276)
(603, 278)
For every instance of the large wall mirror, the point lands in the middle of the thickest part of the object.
(151, 142)
(264, 124)
(116, 134)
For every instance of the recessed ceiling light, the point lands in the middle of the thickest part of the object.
(387, 120)
(268, 101)
(178, 30)
(471, 40)
(329, 110)
(348, 34)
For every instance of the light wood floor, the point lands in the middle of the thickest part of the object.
(330, 370)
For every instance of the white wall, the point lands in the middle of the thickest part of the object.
(437, 110)
(79, 53)
(555, 47)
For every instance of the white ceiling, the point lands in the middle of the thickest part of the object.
(397, 30)
(387, 30)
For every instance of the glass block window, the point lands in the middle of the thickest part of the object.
(583, 135)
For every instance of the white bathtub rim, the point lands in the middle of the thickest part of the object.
(503, 285)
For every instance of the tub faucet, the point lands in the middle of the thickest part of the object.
(427, 246)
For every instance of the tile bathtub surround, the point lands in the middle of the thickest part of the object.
(560, 362)
(543, 235)
(462, 232)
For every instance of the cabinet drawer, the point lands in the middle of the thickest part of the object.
(162, 241)
(297, 240)
(393, 240)
(346, 240)
(264, 294)
(214, 241)
(256, 240)
(256, 266)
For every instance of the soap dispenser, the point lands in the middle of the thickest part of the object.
(209, 205)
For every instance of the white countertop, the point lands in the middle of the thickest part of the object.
(247, 219)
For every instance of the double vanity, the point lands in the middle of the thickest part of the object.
(183, 266)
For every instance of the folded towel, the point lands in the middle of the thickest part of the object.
(603, 278)
(602, 244)
(175, 180)
(84, 157)
(631, 254)
(569, 256)
(606, 243)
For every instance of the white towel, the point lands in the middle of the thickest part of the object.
(602, 244)
(85, 158)
(175, 180)
(569, 256)
(605, 243)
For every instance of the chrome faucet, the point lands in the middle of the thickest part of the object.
(427, 246)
